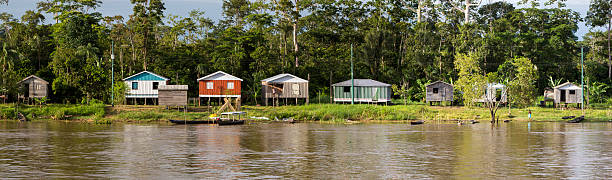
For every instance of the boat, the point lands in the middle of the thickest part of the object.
(474, 121)
(568, 117)
(416, 122)
(230, 122)
(193, 122)
(507, 120)
(576, 120)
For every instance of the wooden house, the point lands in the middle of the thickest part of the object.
(439, 92)
(567, 93)
(366, 91)
(33, 87)
(144, 86)
(220, 85)
(284, 86)
(495, 92)
(173, 95)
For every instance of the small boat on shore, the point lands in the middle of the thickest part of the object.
(474, 121)
(576, 120)
(568, 117)
(230, 122)
(507, 120)
(193, 122)
(416, 122)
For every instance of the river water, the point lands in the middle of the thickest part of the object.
(306, 150)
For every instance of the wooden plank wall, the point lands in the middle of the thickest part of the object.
(172, 97)
(219, 87)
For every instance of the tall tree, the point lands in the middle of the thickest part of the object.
(147, 15)
(600, 14)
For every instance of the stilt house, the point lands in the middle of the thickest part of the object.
(143, 87)
(366, 91)
(219, 85)
(33, 87)
(439, 92)
(495, 92)
(568, 93)
(285, 87)
(173, 95)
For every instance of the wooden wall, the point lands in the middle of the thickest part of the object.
(173, 97)
(219, 88)
(445, 93)
(145, 89)
(36, 87)
(290, 90)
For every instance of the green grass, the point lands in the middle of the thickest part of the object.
(54, 111)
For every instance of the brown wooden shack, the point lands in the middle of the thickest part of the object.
(172, 95)
(284, 87)
(33, 87)
(567, 93)
(439, 92)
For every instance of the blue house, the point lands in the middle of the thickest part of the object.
(143, 86)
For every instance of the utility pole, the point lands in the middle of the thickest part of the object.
(582, 75)
(352, 79)
(113, 73)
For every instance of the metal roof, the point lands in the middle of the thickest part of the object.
(283, 78)
(568, 86)
(128, 78)
(173, 87)
(437, 83)
(361, 82)
(33, 76)
(219, 75)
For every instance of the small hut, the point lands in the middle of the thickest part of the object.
(144, 86)
(494, 92)
(173, 95)
(220, 85)
(284, 86)
(366, 91)
(439, 92)
(33, 87)
(567, 93)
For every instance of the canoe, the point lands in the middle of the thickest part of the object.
(474, 121)
(191, 122)
(230, 122)
(416, 122)
(568, 117)
(507, 120)
(576, 120)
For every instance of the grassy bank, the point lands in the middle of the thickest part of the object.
(99, 113)
(338, 112)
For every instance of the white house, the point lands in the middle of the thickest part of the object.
(494, 93)
(144, 85)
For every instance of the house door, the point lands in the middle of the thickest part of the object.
(562, 96)
(26, 90)
(374, 94)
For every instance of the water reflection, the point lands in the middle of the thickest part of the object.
(308, 150)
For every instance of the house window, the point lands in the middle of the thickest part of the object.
(435, 90)
(134, 85)
(155, 85)
(209, 85)
(296, 89)
(230, 85)
(347, 89)
(572, 92)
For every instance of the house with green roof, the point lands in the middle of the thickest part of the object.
(143, 87)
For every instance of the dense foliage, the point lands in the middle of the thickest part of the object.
(401, 42)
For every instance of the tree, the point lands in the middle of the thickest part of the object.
(471, 81)
(600, 14)
(147, 15)
(522, 83)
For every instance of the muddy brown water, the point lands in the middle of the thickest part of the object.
(306, 151)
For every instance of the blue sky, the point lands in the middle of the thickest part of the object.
(213, 8)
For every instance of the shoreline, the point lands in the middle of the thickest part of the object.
(334, 113)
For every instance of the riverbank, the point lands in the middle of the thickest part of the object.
(100, 113)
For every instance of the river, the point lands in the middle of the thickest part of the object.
(306, 151)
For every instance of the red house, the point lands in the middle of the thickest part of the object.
(219, 85)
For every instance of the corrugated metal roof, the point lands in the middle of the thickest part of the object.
(219, 75)
(283, 78)
(173, 87)
(145, 76)
(568, 86)
(438, 82)
(361, 82)
(33, 76)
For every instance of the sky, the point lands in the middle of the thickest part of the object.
(212, 8)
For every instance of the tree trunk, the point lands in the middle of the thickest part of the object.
(609, 54)
(467, 11)
(295, 43)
